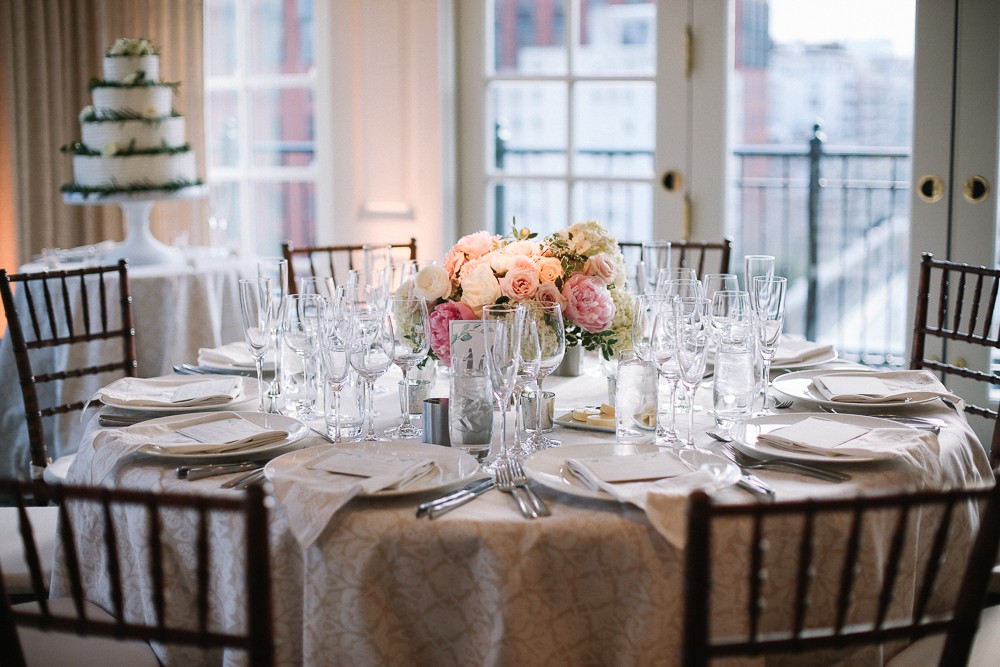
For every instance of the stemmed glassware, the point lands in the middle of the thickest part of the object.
(255, 307)
(733, 384)
(530, 358)
(301, 329)
(335, 347)
(276, 269)
(767, 299)
(655, 256)
(653, 340)
(503, 325)
(408, 318)
(665, 276)
(719, 282)
(683, 287)
(548, 319)
(372, 351)
(692, 328)
(756, 265)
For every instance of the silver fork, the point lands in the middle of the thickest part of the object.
(747, 462)
(781, 405)
(521, 480)
(506, 484)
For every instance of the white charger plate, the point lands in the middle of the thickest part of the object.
(245, 400)
(296, 431)
(567, 421)
(799, 385)
(451, 466)
(548, 467)
(745, 436)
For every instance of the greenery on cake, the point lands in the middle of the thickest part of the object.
(136, 79)
(91, 115)
(116, 189)
(111, 149)
(131, 47)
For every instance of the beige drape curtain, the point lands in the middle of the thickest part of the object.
(50, 49)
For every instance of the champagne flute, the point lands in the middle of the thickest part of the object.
(768, 302)
(377, 256)
(335, 347)
(255, 308)
(301, 329)
(756, 265)
(408, 318)
(372, 351)
(655, 256)
(530, 358)
(548, 318)
(502, 328)
(692, 328)
(276, 269)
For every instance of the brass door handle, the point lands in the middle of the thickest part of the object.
(975, 189)
(930, 188)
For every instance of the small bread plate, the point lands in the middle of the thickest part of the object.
(799, 385)
(296, 431)
(245, 400)
(745, 436)
(548, 466)
(451, 466)
(567, 421)
(809, 363)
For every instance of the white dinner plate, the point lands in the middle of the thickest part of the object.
(451, 466)
(800, 385)
(268, 367)
(245, 400)
(745, 436)
(816, 361)
(548, 467)
(296, 431)
(568, 421)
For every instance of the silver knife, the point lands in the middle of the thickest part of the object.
(756, 486)
(455, 499)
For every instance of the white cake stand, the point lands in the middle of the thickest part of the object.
(140, 247)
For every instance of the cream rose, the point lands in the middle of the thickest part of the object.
(500, 262)
(480, 288)
(549, 269)
(432, 283)
(549, 293)
(529, 248)
(603, 266)
(519, 284)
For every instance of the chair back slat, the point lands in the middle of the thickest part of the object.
(757, 548)
(805, 573)
(50, 311)
(943, 301)
(102, 290)
(67, 310)
(85, 305)
(38, 584)
(114, 565)
(691, 254)
(155, 546)
(29, 298)
(849, 570)
(311, 254)
(959, 303)
(892, 566)
(202, 567)
(988, 324)
(72, 559)
(977, 294)
(933, 563)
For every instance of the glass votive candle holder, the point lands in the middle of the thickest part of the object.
(529, 410)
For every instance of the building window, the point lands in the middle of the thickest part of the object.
(260, 92)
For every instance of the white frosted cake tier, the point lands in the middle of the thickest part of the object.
(146, 134)
(140, 99)
(116, 68)
(126, 170)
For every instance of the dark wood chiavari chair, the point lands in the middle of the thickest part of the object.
(53, 319)
(690, 254)
(766, 629)
(959, 316)
(74, 628)
(323, 260)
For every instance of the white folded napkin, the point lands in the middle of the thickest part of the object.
(884, 387)
(834, 438)
(207, 433)
(313, 491)
(235, 354)
(663, 493)
(791, 351)
(171, 391)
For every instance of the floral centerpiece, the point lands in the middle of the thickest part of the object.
(580, 268)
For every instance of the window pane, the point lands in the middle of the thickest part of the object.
(614, 128)
(529, 124)
(283, 127)
(284, 211)
(282, 34)
(223, 129)
(529, 37)
(617, 39)
(538, 205)
(221, 50)
(626, 209)
(223, 222)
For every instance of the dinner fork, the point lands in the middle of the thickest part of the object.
(521, 480)
(506, 484)
(781, 405)
(745, 461)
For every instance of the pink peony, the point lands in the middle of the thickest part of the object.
(603, 266)
(438, 322)
(549, 293)
(519, 284)
(453, 263)
(589, 303)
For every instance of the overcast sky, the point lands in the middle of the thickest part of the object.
(836, 20)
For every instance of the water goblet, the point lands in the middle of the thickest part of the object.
(372, 351)
(304, 314)
(502, 332)
(548, 319)
(408, 318)
(692, 329)
(683, 287)
(668, 274)
(653, 340)
(335, 348)
(719, 282)
(733, 383)
(655, 256)
(768, 302)
(255, 308)
(530, 358)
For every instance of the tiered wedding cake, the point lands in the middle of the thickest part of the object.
(133, 140)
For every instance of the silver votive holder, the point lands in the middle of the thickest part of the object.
(529, 410)
(418, 391)
(435, 422)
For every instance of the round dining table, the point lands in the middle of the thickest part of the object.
(593, 584)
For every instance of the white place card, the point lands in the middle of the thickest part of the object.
(223, 431)
(814, 433)
(360, 464)
(635, 467)
(192, 391)
(858, 385)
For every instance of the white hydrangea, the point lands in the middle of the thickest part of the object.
(591, 237)
(621, 325)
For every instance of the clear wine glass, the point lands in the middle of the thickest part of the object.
(503, 325)
(408, 318)
(335, 348)
(692, 329)
(719, 282)
(255, 308)
(683, 287)
(655, 256)
(323, 286)
(768, 301)
(548, 319)
(304, 314)
(664, 276)
(756, 265)
(530, 358)
(653, 340)
(371, 356)
(377, 256)
(276, 269)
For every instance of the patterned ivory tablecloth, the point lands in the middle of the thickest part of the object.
(594, 584)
